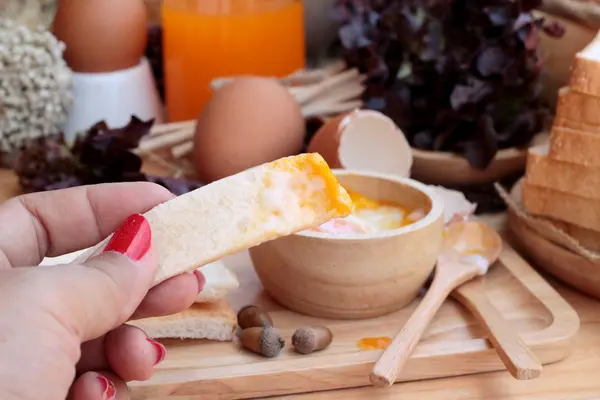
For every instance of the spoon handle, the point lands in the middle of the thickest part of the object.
(395, 356)
(514, 353)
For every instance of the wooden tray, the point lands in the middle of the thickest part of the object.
(453, 345)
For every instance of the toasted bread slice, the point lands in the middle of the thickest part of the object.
(213, 321)
(560, 175)
(579, 107)
(572, 124)
(575, 146)
(587, 238)
(219, 282)
(64, 259)
(561, 206)
(242, 211)
(585, 70)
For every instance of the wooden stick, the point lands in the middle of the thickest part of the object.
(166, 140)
(182, 150)
(335, 67)
(331, 108)
(159, 160)
(171, 127)
(300, 77)
(304, 77)
(187, 168)
(339, 95)
(305, 94)
(329, 88)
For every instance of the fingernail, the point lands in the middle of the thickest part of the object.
(109, 391)
(133, 238)
(201, 279)
(161, 351)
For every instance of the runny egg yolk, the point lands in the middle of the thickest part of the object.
(371, 216)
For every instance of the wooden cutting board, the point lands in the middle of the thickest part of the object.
(453, 345)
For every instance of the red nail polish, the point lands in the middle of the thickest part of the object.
(161, 351)
(133, 238)
(201, 280)
(109, 391)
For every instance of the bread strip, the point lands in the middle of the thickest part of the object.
(241, 211)
(219, 280)
(213, 321)
(565, 123)
(562, 176)
(575, 146)
(566, 207)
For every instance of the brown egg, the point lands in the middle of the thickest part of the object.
(249, 122)
(363, 140)
(101, 35)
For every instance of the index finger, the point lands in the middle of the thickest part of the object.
(57, 222)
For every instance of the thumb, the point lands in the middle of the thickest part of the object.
(104, 291)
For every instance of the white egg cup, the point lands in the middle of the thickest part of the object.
(113, 97)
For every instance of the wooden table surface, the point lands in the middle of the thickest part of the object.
(575, 378)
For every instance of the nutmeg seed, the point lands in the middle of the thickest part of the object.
(253, 316)
(309, 339)
(265, 341)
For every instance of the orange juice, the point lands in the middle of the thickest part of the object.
(206, 39)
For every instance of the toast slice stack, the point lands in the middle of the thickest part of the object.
(562, 180)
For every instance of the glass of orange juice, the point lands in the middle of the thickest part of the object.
(207, 39)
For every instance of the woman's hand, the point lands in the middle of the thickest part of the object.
(61, 327)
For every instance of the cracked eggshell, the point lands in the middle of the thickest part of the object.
(456, 205)
(363, 140)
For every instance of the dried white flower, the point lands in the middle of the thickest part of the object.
(35, 84)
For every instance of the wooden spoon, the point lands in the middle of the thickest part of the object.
(469, 249)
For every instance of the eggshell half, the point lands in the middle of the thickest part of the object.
(456, 204)
(326, 141)
(364, 140)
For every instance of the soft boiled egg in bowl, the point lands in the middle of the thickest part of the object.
(368, 264)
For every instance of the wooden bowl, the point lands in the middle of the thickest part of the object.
(358, 276)
(563, 264)
(442, 168)
(448, 169)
